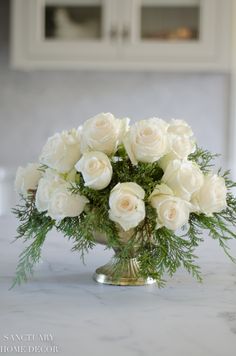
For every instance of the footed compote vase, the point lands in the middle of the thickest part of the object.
(120, 272)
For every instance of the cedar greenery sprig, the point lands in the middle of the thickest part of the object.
(80, 229)
(33, 226)
(147, 175)
(203, 158)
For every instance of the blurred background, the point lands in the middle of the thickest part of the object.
(63, 61)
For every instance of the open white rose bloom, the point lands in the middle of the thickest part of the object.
(146, 190)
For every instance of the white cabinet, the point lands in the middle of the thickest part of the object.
(121, 34)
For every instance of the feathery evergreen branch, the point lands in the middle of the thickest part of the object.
(33, 225)
(203, 158)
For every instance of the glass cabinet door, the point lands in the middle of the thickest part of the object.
(78, 20)
(169, 20)
(71, 31)
(166, 32)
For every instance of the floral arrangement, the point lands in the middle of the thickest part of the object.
(149, 180)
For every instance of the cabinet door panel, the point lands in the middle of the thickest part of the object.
(54, 33)
(176, 33)
(169, 21)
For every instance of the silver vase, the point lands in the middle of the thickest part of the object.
(120, 272)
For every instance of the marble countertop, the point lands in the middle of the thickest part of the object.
(62, 310)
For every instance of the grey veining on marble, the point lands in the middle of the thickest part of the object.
(84, 318)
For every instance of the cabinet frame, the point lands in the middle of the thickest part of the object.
(210, 53)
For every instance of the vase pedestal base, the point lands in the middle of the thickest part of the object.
(121, 273)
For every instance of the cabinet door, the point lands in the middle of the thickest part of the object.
(175, 34)
(63, 33)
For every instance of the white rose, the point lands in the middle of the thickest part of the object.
(147, 141)
(65, 204)
(172, 212)
(183, 177)
(96, 169)
(47, 184)
(103, 133)
(62, 151)
(27, 178)
(211, 197)
(180, 148)
(180, 127)
(126, 205)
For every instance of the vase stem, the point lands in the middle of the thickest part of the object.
(121, 272)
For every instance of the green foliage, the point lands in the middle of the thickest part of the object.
(145, 174)
(167, 254)
(80, 229)
(204, 159)
(32, 222)
(159, 251)
(228, 181)
(162, 251)
(220, 226)
(33, 226)
(217, 228)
